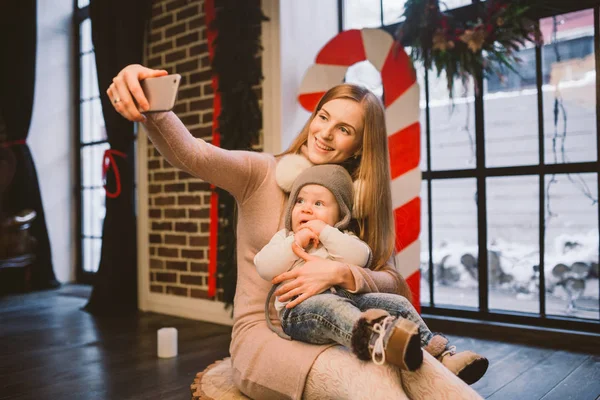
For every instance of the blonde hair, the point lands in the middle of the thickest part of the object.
(376, 228)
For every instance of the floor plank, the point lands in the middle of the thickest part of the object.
(583, 383)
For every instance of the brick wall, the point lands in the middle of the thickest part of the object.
(179, 205)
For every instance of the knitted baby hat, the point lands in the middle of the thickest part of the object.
(331, 176)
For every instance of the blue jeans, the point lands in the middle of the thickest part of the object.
(329, 318)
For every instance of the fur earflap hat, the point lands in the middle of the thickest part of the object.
(331, 176)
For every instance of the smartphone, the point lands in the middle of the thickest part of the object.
(161, 92)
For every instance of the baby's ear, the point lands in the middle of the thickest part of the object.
(288, 168)
(356, 209)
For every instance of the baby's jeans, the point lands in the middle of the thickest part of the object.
(329, 317)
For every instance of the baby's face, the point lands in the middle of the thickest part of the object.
(314, 202)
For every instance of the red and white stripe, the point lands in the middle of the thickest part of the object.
(401, 101)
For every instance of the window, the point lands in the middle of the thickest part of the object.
(510, 176)
(91, 143)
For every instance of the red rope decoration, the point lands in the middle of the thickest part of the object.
(12, 143)
(209, 9)
(107, 161)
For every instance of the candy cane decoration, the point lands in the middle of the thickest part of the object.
(401, 101)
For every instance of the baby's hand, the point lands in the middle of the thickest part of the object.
(304, 236)
(316, 226)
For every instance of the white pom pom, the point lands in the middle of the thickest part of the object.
(288, 169)
(357, 199)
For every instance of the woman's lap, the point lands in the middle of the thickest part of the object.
(338, 374)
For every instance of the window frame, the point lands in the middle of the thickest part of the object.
(480, 173)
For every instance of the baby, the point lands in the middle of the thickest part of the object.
(377, 326)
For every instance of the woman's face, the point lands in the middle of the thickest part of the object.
(335, 134)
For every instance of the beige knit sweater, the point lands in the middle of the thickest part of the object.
(265, 365)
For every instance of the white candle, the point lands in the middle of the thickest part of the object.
(167, 342)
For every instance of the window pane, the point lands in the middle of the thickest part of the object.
(392, 11)
(450, 4)
(362, 14)
(513, 243)
(91, 165)
(569, 88)
(98, 126)
(424, 237)
(422, 105)
(93, 211)
(91, 254)
(86, 121)
(89, 79)
(454, 218)
(571, 255)
(85, 31)
(511, 118)
(452, 125)
(83, 3)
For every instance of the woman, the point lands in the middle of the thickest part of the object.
(347, 128)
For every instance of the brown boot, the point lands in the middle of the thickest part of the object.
(467, 365)
(380, 337)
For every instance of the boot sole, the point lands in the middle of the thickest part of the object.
(474, 371)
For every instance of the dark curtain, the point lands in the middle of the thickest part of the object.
(17, 79)
(118, 35)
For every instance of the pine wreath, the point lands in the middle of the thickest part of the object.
(237, 64)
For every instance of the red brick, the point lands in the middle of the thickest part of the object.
(161, 47)
(193, 119)
(202, 132)
(188, 12)
(183, 175)
(153, 164)
(155, 213)
(166, 164)
(152, 189)
(166, 277)
(164, 176)
(180, 108)
(207, 117)
(178, 291)
(207, 89)
(155, 239)
(157, 10)
(198, 241)
(190, 280)
(155, 37)
(175, 56)
(196, 23)
(203, 105)
(199, 294)
(186, 227)
(188, 200)
(198, 267)
(156, 289)
(194, 254)
(204, 61)
(177, 4)
(177, 265)
(175, 188)
(157, 264)
(202, 213)
(175, 213)
(162, 226)
(162, 21)
(164, 201)
(192, 37)
(201, 48)
(198, 187)
(175, 30)
(203, 76)
(188, 93)
(204, 227)
(155, 62)
(175, 239)
(168, 252)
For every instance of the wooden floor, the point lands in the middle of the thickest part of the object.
(50, 349)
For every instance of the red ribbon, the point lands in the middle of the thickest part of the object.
(107, 161)
(211, 34)
(12, 143)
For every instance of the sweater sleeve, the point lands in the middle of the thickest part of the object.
(276, 257)
(345, 247)
(238, 172)
(385, 280)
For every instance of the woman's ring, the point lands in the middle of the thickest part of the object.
(116, 100)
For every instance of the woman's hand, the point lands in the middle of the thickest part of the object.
(126, 88)
(314, 277)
